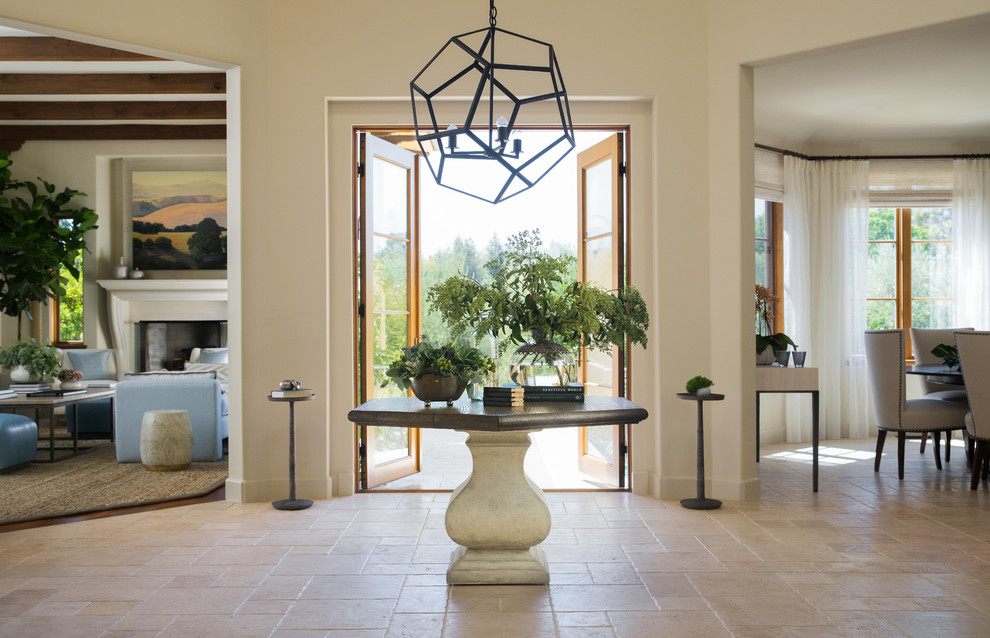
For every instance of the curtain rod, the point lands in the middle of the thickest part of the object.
(818, 158)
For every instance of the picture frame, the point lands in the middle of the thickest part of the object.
(174, 212)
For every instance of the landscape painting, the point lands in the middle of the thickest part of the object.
(179, 220)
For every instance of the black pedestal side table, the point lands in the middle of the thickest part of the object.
(701, 503)
(292, 503)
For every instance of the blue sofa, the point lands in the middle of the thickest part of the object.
(202, 398)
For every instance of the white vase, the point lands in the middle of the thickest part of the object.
(703, 392)
(20, 374)
(72, 385)
(766, 358)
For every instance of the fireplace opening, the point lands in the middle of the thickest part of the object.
(166, 345)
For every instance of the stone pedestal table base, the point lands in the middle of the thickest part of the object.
(498, 516)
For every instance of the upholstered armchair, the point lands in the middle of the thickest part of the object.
(974, 354)
(894, 412)
(923, 340)
(99, 368)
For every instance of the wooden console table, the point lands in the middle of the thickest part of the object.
(498, 516)
(787, 381)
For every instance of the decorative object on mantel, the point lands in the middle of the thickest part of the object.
(121, 271)
(29, 361)
(292, 503)
(70, 379)
(482, 154)
(529, 301)
(137, 273)
(768, 344)
(699, 386)
(33, 265)
(437, 373)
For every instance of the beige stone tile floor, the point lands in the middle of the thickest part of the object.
(866, 556)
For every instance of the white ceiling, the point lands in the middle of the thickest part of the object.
(927, 92)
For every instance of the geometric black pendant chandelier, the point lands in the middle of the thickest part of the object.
(480, 151)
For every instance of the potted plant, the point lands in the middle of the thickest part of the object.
(768, 344)
(70, 379)
(29, 361)
(530, 303)
(437, 373)
(699, 386)
(32, 263)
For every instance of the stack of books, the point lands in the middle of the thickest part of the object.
(30, 387)
(6, 393)
(504, 397)
(540, 393)
(291, 394)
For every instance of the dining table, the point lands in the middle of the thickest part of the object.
(937, 373)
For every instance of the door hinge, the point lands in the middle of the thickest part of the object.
(360, 309)
(362, 450)
(360, 169)
(623, 449)
(622, 168)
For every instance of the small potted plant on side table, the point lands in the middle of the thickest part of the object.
(699, 386)
(437, 373)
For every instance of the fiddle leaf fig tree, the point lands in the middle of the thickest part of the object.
(40, 234)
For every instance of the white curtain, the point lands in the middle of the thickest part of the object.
(971, 242)
(826, 218)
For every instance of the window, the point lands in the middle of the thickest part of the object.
(769, 263)
(67, 311)
(909, 272)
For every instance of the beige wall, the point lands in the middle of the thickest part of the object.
(291, 246)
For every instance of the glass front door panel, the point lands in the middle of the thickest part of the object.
(598, 198)
(391, 444)
(391, 202)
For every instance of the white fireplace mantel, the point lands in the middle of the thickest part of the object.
(132, 300)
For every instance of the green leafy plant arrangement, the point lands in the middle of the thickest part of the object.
(448, 360)
(696, 383)
(529, 294)
(40, 235)
(949, 354)
(41, 361)
(764, 313)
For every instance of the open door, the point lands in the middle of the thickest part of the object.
(389, 297)
(601, 260)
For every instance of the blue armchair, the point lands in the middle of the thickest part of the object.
(202, 398)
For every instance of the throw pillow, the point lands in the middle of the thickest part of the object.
(92, 363)
(219, 368)
(213, 355)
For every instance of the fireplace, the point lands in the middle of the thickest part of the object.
(165, 345)
(134, 302)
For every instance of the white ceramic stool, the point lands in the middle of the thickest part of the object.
(166, 440)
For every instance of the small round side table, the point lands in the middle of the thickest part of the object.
(701, 503)
(292, 503)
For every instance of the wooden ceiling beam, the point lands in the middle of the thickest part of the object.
(151, 110)
(114, 132)
(111, 83)
(48, 49)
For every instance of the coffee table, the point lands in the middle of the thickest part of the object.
(498, 516)
(50, 403)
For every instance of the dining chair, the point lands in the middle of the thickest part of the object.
(923, 341)
(974, 354)
(894, 412)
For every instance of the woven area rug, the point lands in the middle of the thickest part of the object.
(93, 481)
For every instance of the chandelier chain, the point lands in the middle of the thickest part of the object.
(492, 12)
